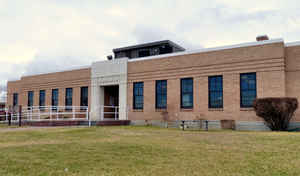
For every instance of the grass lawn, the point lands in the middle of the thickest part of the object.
(4, 125)
(146, 151)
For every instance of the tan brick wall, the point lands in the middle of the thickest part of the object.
(292, 61)
(59, 80)
(266, 60)
(12, 87)
(277, 68)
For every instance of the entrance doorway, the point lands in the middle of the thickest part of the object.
(111, 102)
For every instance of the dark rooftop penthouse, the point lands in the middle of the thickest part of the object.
(147, 49)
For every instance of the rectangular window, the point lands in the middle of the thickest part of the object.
(247, 89)
(215, 91)
(42, 99)
(161, 94)
(84, 96)
(138, 95)
(187, 93)
(68, 100)
(30, 98)
(15, 99)
(54, 99)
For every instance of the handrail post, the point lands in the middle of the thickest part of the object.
(20, 115)
(9, 115)
(115, 113)
(50, 112)
(127, 110)
(6, 115)
(31, 111)
(26, 112)
(87, 113)
(39, 114)
(57, 109)
(89, 117)
(101, 113)
(73, 111)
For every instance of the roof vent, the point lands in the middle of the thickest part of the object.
(109, 57)
(262, 38)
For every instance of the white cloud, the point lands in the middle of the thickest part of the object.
(55, 34)
(14, 54)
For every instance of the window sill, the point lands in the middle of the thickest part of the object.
(247, 109)
(186, 109)
(215, 109)
(137, 110)
(161, 110)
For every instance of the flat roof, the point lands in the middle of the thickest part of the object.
(203, 50)
(148, 45)
(290, 44)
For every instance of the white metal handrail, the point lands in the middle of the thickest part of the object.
(3, 115)
(115, 111)
(34, 113)
(37, 113)
(55, 112)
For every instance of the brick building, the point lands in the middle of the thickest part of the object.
(214, 83)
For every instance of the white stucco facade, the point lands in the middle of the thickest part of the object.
(108, 73)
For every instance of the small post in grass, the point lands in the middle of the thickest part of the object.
(182, 125)
(206, 125)
(9, 115)
(20, 115)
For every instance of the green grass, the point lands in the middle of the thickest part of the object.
(147, 151)
(5, 125)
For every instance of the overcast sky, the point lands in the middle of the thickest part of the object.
(48, 35)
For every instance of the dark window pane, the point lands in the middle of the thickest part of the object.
(187, 93)
(138, 95)
(68, 98)
(30, 99)
(247, 89)
(84, 96)
(215, 91)
(15, 99)
(244, 84)
(252, 84)
(54, 99)
(161, 94)
(144, 53)
(42, 99)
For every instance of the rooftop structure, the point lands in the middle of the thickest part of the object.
(147, 49)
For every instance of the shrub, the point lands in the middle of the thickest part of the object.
(276, 112)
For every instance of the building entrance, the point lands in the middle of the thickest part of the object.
(111, 102)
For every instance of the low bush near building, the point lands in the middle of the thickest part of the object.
(276, 112)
